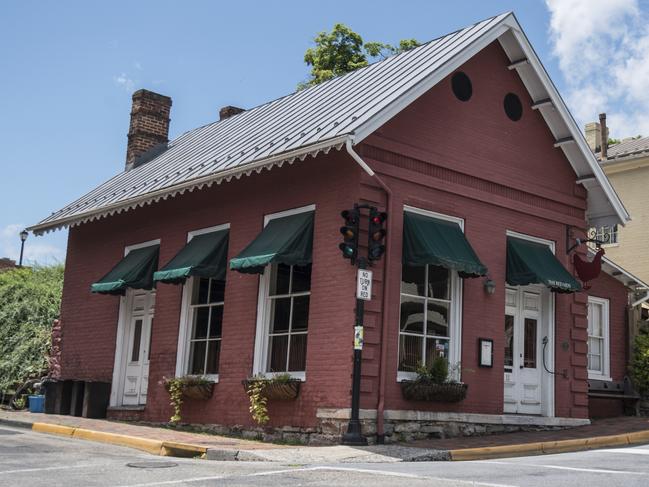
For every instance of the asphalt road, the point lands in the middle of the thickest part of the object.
(34, 460)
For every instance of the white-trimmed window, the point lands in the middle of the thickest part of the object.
(283, 315)
(598, 339)
(607, 234)
(201, 322)
(430, 313)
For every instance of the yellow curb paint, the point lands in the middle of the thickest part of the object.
(150, 446)
(638, 437)
(607, 441)
(54, 429)
(562, 446)
(175, 449)
(496, 451)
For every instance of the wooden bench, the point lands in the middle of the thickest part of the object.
(616, 390)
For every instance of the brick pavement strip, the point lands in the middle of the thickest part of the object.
(168, 442)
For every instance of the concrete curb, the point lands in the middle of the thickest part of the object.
(188, 450)
(154, 447)
(548, 447)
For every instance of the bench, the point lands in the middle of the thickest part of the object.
(616, 390)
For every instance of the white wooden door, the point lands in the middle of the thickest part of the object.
(523, 360)
(138, 343)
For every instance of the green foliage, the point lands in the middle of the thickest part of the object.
(175, 387)
(640, 363)
(30, 300)
(437, 373)
(258, 400)
(342, 51)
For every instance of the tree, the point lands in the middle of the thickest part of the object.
(30, 300)
(342, 51)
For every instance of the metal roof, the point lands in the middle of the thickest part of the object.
(323, 117)
(626, 149)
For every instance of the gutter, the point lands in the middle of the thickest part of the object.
(380, 434)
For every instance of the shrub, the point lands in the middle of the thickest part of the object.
(640, 363)
(30, 300)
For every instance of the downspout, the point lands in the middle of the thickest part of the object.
(380, 435)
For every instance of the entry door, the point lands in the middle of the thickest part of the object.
(523, 360)
(138, 344)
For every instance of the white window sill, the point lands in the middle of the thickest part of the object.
(211, 377)
(595, 376)
(610, 245)
(301, 376)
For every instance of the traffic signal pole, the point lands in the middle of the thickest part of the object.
(354, 436)
(375, 249)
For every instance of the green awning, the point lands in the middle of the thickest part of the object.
(428, 240)
(534, 263)
(287, 240)
(205, 255)
(134, 271)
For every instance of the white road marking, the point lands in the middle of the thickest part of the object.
(575, 469)
(311, 469)
(43, 469)
(635, 451)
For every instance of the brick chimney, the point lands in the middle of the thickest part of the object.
(603, 135)
(229, 111)
(149, 124)
(594, 136)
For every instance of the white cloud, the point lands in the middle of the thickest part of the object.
(35, 251)
(125, 82)
(603, 51)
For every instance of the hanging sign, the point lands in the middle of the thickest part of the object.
(364, 285)
(358, 338)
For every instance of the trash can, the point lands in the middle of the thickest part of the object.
(37, 403)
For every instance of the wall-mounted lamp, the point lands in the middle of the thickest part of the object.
(489, 286)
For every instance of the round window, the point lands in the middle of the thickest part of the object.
(461, 85)
(513, 107)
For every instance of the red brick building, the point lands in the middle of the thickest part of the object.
(467, 146)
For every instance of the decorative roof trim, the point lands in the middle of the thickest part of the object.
(196, 184)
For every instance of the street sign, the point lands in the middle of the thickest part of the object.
(364, 285)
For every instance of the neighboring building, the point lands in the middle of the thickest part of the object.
(6, 263)
(627, 166)
(486, 180)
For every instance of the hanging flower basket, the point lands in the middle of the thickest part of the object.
(198, 391)
(276, 390)
(423, 390)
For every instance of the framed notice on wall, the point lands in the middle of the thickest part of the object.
(485, 352)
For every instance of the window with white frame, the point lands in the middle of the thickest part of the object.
(283, 315)
(607, 234)
(288, 305)
(598, 338)
(430, 321)
(206, 314)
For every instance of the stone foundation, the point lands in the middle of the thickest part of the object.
(399, 426)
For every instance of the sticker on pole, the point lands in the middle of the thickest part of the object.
(358, 338)
(364, 285)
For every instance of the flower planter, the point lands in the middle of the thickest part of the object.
(420, 390)
(280, 391)
(198, 391)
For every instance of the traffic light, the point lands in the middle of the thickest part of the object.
(376, 234)
(349, 231)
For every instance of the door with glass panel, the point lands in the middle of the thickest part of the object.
(523, 360)
(141, 305)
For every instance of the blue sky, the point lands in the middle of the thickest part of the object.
(68, 69)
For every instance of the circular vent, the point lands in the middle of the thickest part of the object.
(513, 107)
(462, 88)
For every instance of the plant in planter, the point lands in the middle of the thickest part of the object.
(260, 389)
(186, 387)
(433, 384)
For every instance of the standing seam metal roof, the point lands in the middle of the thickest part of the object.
(304, 123)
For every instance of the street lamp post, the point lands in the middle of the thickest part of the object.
(23, 236)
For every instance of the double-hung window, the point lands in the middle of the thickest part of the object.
(206, 311)
(598, 339)
(430, 309)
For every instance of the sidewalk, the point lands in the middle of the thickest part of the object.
(604, 433)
